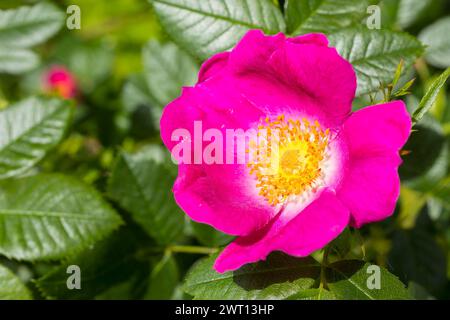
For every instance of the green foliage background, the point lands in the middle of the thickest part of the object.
(87, 182)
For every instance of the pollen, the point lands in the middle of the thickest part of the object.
(286, 159)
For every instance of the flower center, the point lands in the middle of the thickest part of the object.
(287, 158)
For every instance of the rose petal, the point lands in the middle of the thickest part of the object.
(213, 66)
(320, 73)
(311, 38)
(314, 227)
(371, 186)
(222, 195)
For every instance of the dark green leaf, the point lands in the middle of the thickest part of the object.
(375, 54)
(342, 245)
(135, 93)
(140, 106)
(142, 184)
(427, 160)
(163, 279)
(416, 256)
(209, 26)
(108, 263)
(51, 217)
(209, 236)
(418, 292)
(28, 130)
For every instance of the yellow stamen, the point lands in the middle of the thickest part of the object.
(288, 161)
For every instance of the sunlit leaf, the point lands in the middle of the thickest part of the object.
(430, 96)
(17, 61)
(51, 217)
(209, 26)
(350, 279)
(375, 54)
(28, 130)
(279, 277)
(29, 25)
(11, 287)
(323, 15)
(167, 70)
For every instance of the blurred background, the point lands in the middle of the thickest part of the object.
(119, 70)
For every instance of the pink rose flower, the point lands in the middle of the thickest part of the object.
(59, 80)
(335, 167)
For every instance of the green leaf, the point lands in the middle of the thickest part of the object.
(11, 287)
(141, 183)
(430, 96)
(163, 279)
(167, 70)
(348, 279)
(375, 54)
(28, 130)
(285, 277)
(323, 15)
(403, 91)
(279, 277)
(313, 294)
(140, 106)
(418, 292)
(342, 245)
(17, 61)
(209, 236)
(398, 73)
(135, 93)
(435, 36)
(209, 26)
(27, 26)
(417, 256)
(427, 160)
(389, 13)
(107, 263)
(51, 217)
(441, 191)
(410, 11)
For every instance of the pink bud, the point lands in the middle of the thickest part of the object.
(60, 81)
